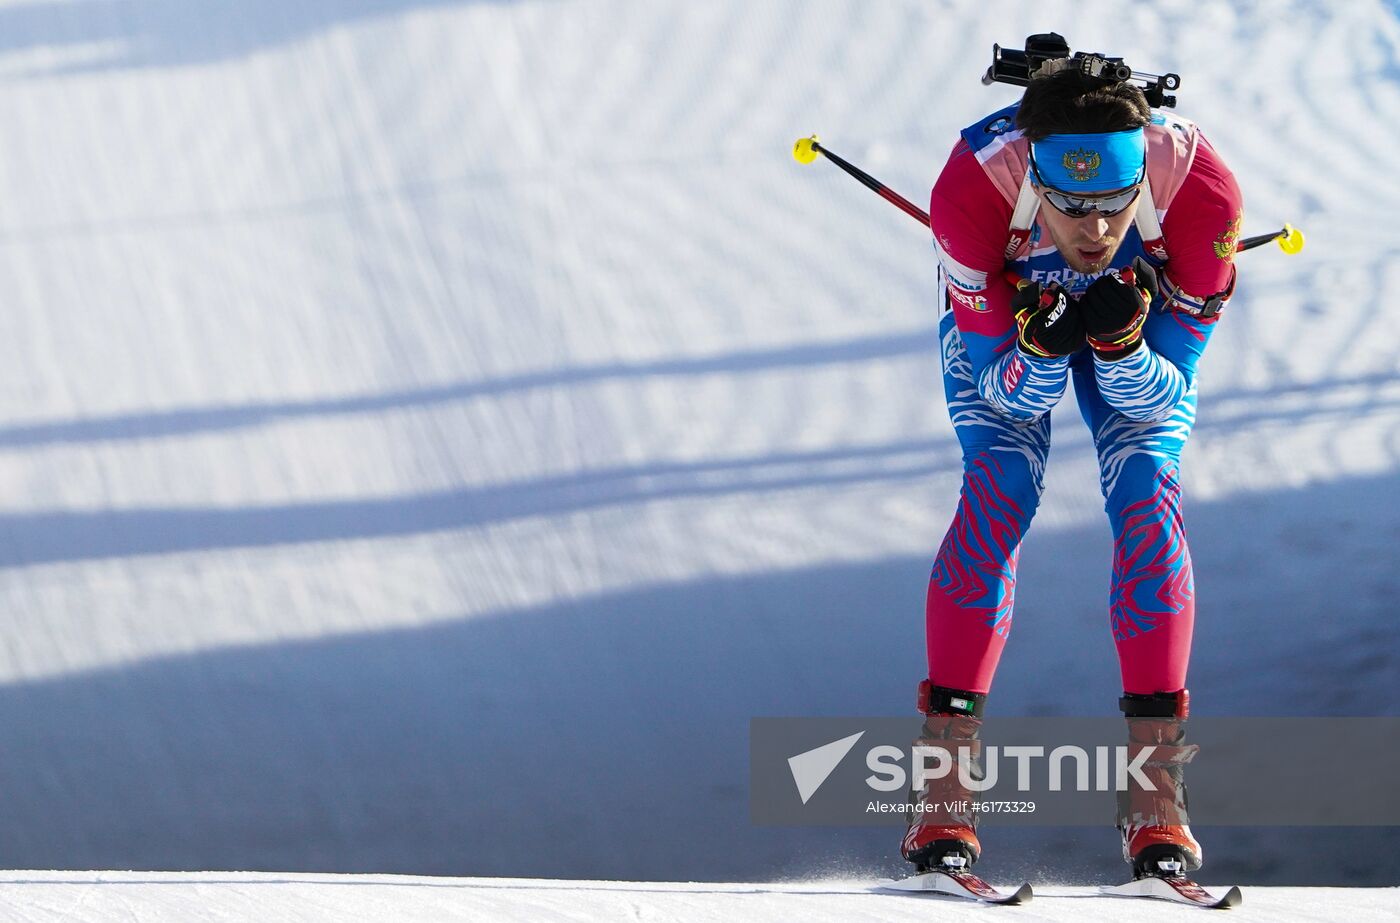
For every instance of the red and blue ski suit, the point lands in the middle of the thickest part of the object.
(1140, 409)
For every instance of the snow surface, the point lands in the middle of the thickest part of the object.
(153, 897)
(431, 430)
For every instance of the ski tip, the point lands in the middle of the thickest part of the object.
(1023, 895)
(1232, 898)
(1180, 889)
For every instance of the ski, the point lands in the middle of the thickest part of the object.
(958, 883)
(1176, 888)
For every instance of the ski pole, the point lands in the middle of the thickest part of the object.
(805, 150)
(1290, 240)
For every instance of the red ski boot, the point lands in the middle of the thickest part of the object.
(1153, 824)
(942, 835)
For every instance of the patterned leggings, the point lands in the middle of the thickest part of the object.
(973, 583)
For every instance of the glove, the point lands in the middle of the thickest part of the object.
(1114, 309)
(1047, 320)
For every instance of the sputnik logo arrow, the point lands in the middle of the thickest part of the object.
(811, 769)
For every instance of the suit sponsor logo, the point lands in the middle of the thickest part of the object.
(1011, 377)
(1018, 238)
(1067, 278)
(967, 299)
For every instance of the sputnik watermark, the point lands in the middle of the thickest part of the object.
(951, 807)
(1110, 764)
(1110, 767)
(1070, 768)
(813, 767)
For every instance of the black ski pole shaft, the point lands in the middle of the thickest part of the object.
(806, 150)
(1290, 240)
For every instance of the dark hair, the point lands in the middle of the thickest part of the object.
(1068, 102)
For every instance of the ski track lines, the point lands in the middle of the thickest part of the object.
(329, 326)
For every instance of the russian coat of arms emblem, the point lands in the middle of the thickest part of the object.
(1082, 164)
(1229, 239)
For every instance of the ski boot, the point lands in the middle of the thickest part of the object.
(942, 836)
(1156, 839)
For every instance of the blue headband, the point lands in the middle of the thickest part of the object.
(1092, 162)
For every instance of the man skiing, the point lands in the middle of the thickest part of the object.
(1081, 235)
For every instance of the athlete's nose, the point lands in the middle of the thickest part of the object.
(1094, 226)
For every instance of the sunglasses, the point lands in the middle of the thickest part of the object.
(1078, 206)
